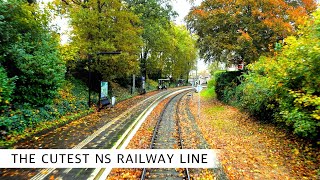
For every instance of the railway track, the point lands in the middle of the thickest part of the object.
(167, 135)
(115, 134)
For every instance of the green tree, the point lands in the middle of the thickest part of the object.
(155, 19)
(6, 89)
(29, 52)
(104, 26)
(184, 55)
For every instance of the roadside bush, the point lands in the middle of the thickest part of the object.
(255, 95)
(151, 85)
(6, 89)
(209, 93)
(72, 100)
(225, 85)
(211, 83)
(27, 116)
(286, 87)
(40, 73)
(119, 92)
(29, 51)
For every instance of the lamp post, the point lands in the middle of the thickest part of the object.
(89, 73)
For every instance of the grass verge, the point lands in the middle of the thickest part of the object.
(208, 93)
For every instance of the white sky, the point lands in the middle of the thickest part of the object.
(182, 7)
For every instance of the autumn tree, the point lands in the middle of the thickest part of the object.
(184, 55)
(287, 85)
(155, 19)
(232, 31)
(104, 26)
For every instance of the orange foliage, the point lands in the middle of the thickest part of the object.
(264, 21)
(199, 12)
(245, 35)
(274, 13)
(309, 5)
(298, 15)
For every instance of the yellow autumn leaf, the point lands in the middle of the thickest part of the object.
(44, 171)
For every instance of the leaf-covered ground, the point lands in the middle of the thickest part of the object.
(192, 137)
(141, 140)
(192, 140)
(252, 150)
(69, 135)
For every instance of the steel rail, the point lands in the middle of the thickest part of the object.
(180, 137)
(155, 133)
(45, 172)
(128, 135)
(102, 173)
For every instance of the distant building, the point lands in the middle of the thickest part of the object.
(233, 67)
(203, 77)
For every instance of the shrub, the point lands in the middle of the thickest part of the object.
(209, 93)
(226, 82)
(27, 115)
(286, 87)
(29, 51)
(6, 89)
(151, 85)
(211, 83)
(255, 95)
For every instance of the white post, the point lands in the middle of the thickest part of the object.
(113, 101)
(199, 89)
(133, 83)
(199, 105)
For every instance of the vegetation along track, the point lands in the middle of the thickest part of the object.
(110, 136)
(167, 135)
